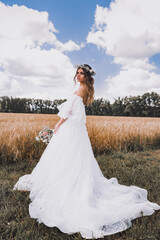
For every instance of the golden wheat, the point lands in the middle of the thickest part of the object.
(123, 133)
(18, 132)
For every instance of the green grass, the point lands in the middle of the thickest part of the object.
(141, 169)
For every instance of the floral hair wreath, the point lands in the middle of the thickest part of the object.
(86, 67)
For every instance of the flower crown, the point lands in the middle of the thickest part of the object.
(87, 68)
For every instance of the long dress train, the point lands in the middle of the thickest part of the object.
(68, 189)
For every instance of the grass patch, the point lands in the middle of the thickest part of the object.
(141, 169)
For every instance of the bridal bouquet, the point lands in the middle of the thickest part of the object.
(45, 135)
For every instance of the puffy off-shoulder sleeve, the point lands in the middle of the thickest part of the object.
(65, 109)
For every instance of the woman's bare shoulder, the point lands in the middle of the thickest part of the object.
(82, 91)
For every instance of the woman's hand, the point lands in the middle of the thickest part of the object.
(56, 128)
(61, 121)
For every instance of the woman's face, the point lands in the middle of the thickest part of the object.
(80, 75)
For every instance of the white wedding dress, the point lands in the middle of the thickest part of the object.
(68, 189)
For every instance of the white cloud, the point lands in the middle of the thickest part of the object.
(26, 26)
(130, 32)
(4, 81)
(68, 46)
(132, 82)
(31, 56)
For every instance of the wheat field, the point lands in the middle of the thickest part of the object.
(18, 132)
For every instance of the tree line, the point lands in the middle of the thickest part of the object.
(146, 105)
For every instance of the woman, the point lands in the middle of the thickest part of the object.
(67, 187)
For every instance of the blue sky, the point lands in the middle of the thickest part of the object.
(116, 38)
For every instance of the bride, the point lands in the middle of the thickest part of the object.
(67, 187)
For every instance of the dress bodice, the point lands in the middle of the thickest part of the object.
(73, 108)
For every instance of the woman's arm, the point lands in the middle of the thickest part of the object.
(61, 121)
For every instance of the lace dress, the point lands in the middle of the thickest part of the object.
(68, 189)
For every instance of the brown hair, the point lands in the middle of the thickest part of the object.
(88, 72)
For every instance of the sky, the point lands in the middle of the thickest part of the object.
(42, 41)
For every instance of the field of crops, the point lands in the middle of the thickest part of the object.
(18, 132)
